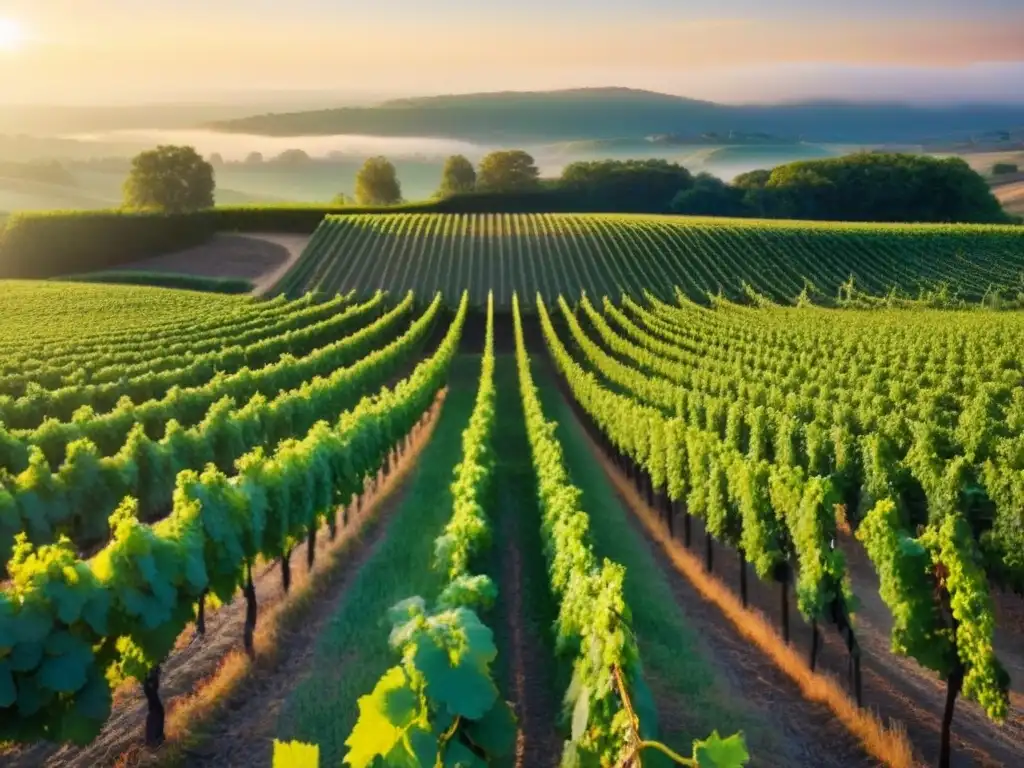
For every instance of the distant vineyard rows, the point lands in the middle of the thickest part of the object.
(558, 254)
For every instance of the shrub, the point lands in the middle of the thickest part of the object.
(59, 242)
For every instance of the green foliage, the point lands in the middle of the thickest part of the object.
(227, 285)
(203, 424)
(377, 183)
(904, 566)
(871, 186)
(745, 261)
(53, 243)
(511, 170)
(954, 552)
(457, 177)
(169, 179)
(69, 628)
(440, 705)
(1005, 169)
(294, 754)
(594, 619)
(640, 186)
(710, 196)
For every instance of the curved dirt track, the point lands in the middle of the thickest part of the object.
(261, 258)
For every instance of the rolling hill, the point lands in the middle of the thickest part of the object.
(605, 113)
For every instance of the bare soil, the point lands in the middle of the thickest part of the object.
(260, 258)
(195, 663)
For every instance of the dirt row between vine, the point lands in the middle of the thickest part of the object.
(198, 673)
(261, 258)
(526, 616)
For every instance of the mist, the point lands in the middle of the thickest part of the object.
(236, 146)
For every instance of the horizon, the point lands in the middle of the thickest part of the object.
(113, 53)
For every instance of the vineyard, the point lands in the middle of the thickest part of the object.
(554, 254)
(523, 490)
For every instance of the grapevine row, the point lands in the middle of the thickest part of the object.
(76, 499)
(614, 715)
(554, 254)
(70, 628)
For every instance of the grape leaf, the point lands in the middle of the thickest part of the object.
(375, 734)
(464, 689)
(495, 732)
(26, 656)
(66, 673)
(458, 755)
(295, 754)
(716, 752)
(93, 700)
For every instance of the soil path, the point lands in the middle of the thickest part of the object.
(194, 662)
(260, 258)
(805, 733)
(525, 606)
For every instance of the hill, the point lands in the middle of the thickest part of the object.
(611, 254)
(608, 113)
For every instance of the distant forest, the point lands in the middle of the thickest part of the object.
(608, 113)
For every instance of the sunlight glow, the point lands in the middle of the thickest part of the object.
(12, 35)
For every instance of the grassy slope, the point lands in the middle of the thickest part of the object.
(675, 658)
(353, 652)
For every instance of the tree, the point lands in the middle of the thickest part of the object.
(627, 186)
(254, 158)
(1000, 169)
(170, 179)
(511, 170)
(292, 157)
(710, 196)
(457, 176)
(752, 179)
(377, 183)
(343, 199)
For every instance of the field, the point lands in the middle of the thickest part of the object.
(523, 491)
(555, 254)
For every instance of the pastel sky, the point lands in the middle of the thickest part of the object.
(114, 51)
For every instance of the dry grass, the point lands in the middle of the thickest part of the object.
(889, 745)
(187, 715)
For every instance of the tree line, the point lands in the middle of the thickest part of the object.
(867, 186)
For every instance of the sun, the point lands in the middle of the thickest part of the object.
(12, 35)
